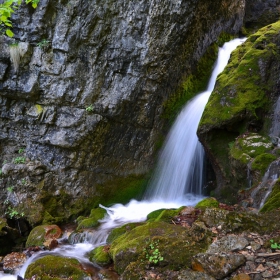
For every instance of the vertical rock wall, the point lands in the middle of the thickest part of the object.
(83, 106)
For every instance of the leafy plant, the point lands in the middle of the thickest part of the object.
(6, 11)
(23, 181)
(152, 252)
(19, 160)
(274, 245)
(21, 150)
(89, 108)
(13, 213)
(10, 189)
(43, 44)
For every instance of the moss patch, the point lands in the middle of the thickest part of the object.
(241, 89)
(121, 190)
(55, 267)
(209, 202)
(273, 201)
(93, 220)
(100, 256)
(176, 245)
(261, 162)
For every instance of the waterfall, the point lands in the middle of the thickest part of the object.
(178, 179)
(180, 169)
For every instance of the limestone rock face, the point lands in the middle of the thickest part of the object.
(81, 103)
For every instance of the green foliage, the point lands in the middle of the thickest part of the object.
(10, 189)
(43, 44)
(13, 213)
(89, 108)
(6, 11)
(274, 245)
(152, 252)
(19, 160)
(21, 150)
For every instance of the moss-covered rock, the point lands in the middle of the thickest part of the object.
(176, 245)
(100, 255)
(116, 232)
(55, 267)
(209, 202)
(273, 201)
(236, 122)
(261, 162)
(93, 220)
(41, 234)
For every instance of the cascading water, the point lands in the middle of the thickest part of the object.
(181, 165)
(178, 179)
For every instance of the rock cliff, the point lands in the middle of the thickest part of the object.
(82, 85)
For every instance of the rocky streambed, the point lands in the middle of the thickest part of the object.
(209, 241)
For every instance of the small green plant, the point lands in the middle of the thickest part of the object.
(21, 150)
(274, 245)
(23, 181)
(89, 108)
(10, 189)
(152, 253)
(7, 8)
(13, 213)
(43, 44)
(19, 160)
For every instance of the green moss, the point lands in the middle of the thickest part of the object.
(100, 256)
(192, 84)
(176, 244)
(93, 220)
(273, 201)
(116, 232)
(250, 145)
(207, 202)
(153, 215)
(241, 90)
(167, 214)
(261, 162)
(121, 190)
(55, 267)
(40, 234)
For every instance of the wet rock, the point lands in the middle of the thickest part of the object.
(41, 234)
(217, 266)
(228, 243)
(13, 261)
(56, 267)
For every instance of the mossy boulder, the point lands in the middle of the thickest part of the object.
(176, 245)
(236, 123)
(100, 255)
(93, 220)
(261, 162)
(116, 232)
(56, 267)
(40, 234)
(273, 200)
(164, 215)
(209, 202)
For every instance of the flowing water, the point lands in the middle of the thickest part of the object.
(178, 179)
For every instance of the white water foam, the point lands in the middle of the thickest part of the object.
(181, 165)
